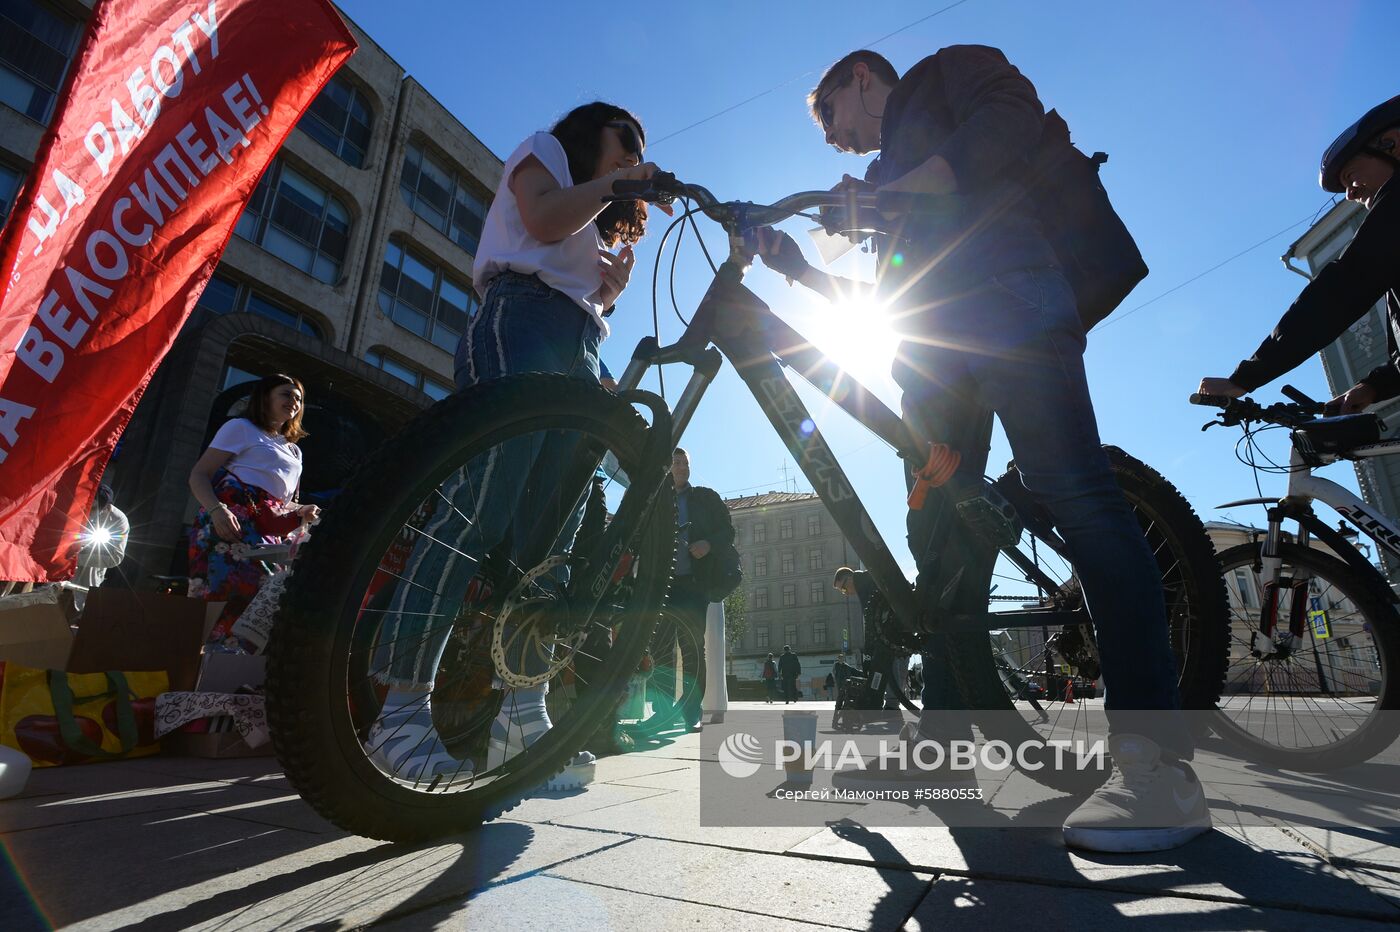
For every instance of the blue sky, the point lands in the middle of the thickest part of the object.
(1214, 115)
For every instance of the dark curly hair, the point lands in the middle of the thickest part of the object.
(580, 132)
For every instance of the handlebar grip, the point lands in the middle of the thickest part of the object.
(1210, 401)
(627, 188)
(1294, 395)
(908, 202)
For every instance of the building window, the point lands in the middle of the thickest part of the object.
(814, 525)
(789, 596)
(425, 383)
(785, 529)
(340, 119)
(819, 632)
(1244, 582)
(298, 222)
(9, 187)
(760, 634)
(760, 597)
(224, 295)
(419, 296)
(817, 592)
(788, 564)
(814, 558)
(443, 198)
(760, 564)
(760, 533)
(36, 44)
(789, 635)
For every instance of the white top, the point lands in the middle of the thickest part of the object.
(569, 266)
(269, 461)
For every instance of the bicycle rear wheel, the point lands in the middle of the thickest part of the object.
(1322, 701)
(442, 571)
(992, 673)
(669, 682)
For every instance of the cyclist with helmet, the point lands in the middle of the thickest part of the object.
(1362, 164)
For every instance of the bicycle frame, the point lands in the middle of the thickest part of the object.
(743, 328)
(1304, 488)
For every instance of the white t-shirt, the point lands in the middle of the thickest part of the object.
(269, 461)
(569, 266)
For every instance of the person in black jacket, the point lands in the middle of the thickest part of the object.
(990, 325)
(1362, 164)
(789, 668)
(705, 535)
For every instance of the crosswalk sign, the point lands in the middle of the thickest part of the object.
(1321, 627)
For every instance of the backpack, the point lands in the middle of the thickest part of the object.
(721, 573)
(1096, 252)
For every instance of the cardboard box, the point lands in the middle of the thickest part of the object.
(217, 745)
(124, 630)
(36, 628)
(117, 630)
(228, 673)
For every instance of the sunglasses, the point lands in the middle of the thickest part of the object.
(825, 112)
(631, 142)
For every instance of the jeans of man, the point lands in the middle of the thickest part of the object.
(690, 605)
(523, 326)
(1015, 346)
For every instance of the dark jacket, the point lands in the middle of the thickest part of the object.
(789, 667)
(770, 670)
(708, 520)
(971, 106)
(865, 587)
(1344, 290)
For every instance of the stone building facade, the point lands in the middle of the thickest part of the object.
(790, 547)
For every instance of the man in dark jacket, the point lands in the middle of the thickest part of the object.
(991, 326)
(705, 537)
(1362, 164)
(789, 668)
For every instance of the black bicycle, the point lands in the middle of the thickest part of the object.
(579, 614)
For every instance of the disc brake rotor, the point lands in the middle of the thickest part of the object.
(524, 632)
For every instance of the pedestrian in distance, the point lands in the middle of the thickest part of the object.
(789, 669)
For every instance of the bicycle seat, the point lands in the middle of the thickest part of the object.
(1335, 436)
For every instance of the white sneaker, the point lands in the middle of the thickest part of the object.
(405, 745)
(1147, 804)
(509, 737)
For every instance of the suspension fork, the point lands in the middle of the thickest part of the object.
(1276, 585)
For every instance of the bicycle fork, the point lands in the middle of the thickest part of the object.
(1263, 641)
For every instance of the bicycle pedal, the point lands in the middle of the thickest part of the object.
(990, 517)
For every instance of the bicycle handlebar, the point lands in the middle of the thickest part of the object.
(1236, 411)
(842, 211)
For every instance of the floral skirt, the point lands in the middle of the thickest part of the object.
(225, 571)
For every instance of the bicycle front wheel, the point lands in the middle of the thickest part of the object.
(430, 615)
(1317, 702)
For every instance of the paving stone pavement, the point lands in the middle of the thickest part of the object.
(178, 843)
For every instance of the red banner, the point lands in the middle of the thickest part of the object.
(172, 113)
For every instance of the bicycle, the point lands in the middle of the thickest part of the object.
(1313, 676)
(551, 598)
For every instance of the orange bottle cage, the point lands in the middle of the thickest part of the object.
(942, 462)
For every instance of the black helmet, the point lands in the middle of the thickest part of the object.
(1356, 139)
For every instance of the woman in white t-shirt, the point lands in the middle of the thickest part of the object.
(548, 279)
(246, 484)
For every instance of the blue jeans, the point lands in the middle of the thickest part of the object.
(1014, 346)
(523, 326)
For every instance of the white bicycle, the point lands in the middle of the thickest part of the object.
(1315, 635)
